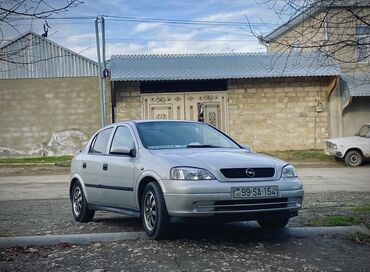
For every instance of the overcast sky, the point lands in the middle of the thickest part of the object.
(124, 37)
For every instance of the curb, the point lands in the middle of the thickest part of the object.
(20, 241)
(297, 232)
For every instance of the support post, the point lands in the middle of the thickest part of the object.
(100, 73)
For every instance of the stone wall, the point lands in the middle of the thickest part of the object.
(279, 114)
(48, 116)
(128, 101)
(267, 114)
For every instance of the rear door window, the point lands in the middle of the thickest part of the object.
(100, 142)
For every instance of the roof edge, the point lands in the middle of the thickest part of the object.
(29, 32)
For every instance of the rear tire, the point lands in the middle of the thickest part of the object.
(353, 158)
(154, 215)
(276, 223)
(80, 209)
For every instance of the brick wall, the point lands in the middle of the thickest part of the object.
(48, 116)
(278, 114)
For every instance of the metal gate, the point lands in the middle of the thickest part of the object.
(205, 107)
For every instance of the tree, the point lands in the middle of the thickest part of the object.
(339, 29)
(12, 12)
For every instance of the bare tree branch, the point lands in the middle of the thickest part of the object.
(339, 29)
(12, 11)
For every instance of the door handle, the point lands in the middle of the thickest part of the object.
(84, 164)
(105, 166)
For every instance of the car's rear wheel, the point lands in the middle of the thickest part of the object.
(275, 223)
(154, 213)
(80, 209)
(353, 158)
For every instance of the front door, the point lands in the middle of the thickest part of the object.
(118, 182)
(205, 107)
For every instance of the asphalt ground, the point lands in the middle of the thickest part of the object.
(194, 247)
(244, 253)
(315, 180)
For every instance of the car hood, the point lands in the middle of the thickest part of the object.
(346, 140)
(218, 158)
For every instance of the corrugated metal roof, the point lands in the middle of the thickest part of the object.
(219, 66)
(357, 84)
(32, 56)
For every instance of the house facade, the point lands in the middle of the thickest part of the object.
(49, 98)
(267, 101)
(51, 104)
(340, 30)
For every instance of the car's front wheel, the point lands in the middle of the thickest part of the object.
(154, 213)
(353, 158)
(80, 210)
(275, 223)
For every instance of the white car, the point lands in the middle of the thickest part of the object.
(354, 149)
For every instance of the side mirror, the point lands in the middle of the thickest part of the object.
(357, 134)
(123, 150)
(246, 147)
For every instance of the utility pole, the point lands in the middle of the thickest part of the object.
(101, 68)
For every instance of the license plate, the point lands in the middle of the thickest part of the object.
(255, 191)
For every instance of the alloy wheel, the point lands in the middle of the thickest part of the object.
(77, 201)
(150, 211)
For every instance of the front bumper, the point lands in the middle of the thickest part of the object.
(333, 152)
(205, 200)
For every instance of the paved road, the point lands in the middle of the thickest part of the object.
(314, 179)
(38, 205)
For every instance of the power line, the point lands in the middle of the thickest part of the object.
(165, 20)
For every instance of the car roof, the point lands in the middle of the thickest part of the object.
(161, 120)
(144, 121)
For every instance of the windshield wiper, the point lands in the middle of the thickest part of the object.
(202, 146)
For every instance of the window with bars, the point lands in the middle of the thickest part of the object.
(363, 43)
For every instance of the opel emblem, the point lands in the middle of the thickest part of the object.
(250, 172)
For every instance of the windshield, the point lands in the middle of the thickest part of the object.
(170, 135)
(364, 131)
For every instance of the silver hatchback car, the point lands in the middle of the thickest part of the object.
(165, 171)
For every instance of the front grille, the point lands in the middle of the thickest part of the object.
(262, 172)
(250, 204)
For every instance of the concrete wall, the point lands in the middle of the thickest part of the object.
(355, 115)
(335, 105)
(268, 114)
(48, 116)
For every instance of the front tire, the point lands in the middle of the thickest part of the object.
(80, 210)
(276, 223)
(154, 213)
(353, 158)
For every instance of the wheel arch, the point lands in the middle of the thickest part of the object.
(144, 179)
(354, 149)
(77, 179)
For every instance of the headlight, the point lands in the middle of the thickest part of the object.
(289, 172)
(189, 173)
(334, 146)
